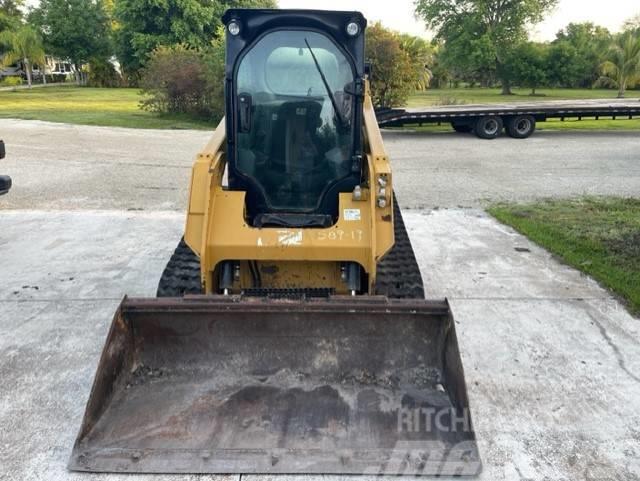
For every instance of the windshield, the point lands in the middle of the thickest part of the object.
(295, 134)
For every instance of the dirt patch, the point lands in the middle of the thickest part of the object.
(627, 245)
(364, 377)
(523, 213)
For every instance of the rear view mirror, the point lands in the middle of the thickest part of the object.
(244, 112)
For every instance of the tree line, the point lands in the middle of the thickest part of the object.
(173, 49)
(485, 43)
(582, 55)
(91, 33)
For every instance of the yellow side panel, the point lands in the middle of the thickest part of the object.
(206, 173)
(197, 205)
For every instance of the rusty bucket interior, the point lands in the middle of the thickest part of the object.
(228, 385)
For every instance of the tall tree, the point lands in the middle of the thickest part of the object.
(575, 55)
(143, 25)
(528, 64)
(23, 45)
(470, 57)
(441, 75)
(422, 55)
(10, 14)
(621, 66)
(500, 24)
(78, 30)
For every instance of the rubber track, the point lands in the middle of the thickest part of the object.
(182, 274)
(398, 273)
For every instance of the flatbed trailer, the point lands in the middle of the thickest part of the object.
(519, 121)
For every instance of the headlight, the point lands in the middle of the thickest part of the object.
(353, 29)
(234, 28)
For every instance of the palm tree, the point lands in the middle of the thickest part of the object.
(23, 45)
(621, 66)
(421, 54)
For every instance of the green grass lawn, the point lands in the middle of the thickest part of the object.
(599, 236)
(88, 106)
(120, 107)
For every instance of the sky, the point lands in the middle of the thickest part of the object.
(398, 14)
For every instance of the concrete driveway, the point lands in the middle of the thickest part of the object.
(552, 361)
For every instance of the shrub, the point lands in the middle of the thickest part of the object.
(183, 80)
(214, 70)
(174, 81)
(449, 100)
(393, 75)
(102, 73)
(10, 82)
(57, 78)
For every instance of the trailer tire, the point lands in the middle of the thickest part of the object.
(462, 128)
(521, 126)
(488, 127)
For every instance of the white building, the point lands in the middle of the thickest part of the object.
(53, 66)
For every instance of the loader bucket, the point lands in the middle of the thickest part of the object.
(230, 385)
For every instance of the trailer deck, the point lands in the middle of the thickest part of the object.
(487, 120)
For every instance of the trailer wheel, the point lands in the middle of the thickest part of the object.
(488, 127)
(521, 126)
(462, 128)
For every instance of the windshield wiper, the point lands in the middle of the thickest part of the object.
(326, 85)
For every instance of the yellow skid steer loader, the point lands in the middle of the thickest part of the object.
(290, 333)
